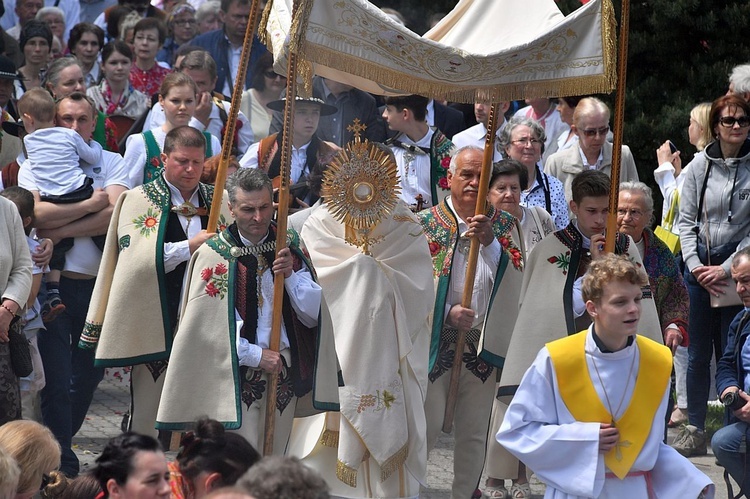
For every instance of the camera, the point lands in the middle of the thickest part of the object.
(733, 401)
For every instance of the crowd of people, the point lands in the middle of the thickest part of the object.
(113, 118)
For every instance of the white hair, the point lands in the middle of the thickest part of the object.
(454, 158)
(740, 76)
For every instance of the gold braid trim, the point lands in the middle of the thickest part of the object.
(330, 438)
(595, 84)
(346, 474)
(263, 36)
(393, 463)
(299, 27)
(609, 41)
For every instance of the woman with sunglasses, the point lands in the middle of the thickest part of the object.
(267, 86)
(714, 224)
(594, 152)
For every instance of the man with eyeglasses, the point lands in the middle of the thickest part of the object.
(225, 45)
(594, 152)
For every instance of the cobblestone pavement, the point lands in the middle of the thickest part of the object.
(112, 398)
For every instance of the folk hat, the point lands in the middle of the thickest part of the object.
(8, 70)
(325, 109)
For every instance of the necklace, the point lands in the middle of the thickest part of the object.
(604, 388)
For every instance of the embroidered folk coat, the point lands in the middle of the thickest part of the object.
(203, 378)
(136, 328)
(546, 304)
(441, 228)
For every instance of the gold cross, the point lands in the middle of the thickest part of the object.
(356, 128)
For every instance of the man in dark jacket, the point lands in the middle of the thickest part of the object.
(733, 382)
(225, 45)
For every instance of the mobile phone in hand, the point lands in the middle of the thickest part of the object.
(672, 147)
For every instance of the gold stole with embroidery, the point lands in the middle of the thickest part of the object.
(581, 399)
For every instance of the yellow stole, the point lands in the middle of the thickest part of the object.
(581, 399)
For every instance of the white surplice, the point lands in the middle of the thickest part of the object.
(564, 453)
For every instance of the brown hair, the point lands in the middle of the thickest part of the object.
(184, 136)
(731, 102)
(38, 104)
(610, 268)
(176, 79)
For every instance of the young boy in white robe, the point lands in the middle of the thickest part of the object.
(587, 415)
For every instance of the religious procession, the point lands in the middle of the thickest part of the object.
(313, 246)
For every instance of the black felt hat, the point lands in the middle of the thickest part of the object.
(8, 70)
(325, 109)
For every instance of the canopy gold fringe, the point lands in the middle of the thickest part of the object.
(263, 36)
(583, 85)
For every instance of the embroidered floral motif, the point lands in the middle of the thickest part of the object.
(253, 386)
(445, 162)
(444, 360)
(562, 261)
(217, 279)
(513, 252)
(147, 223)
(380, 400)
(222, 225)
(156, 368)
(475, 365)
(441, 150)
(124, 242)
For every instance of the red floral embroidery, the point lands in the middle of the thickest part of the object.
(217, 279)
(211, 289)
(446, 162)
(155, 162)
(434, 248)
(443, 183)
(504, 242)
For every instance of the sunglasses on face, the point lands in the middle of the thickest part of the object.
(729, 121)
(593, 132)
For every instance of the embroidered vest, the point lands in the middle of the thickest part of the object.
(577, 391)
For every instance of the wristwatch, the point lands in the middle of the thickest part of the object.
(733, 401)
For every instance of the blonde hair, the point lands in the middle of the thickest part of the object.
(610, 268)
(9, 475)
(34, 448)
(700, 114)
(590, 106)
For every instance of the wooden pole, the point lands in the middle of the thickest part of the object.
(622, 67)
(281, 226)
(234, 110)
(471, 268)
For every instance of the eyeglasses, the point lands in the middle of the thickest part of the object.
(634, 214)
(272, 75)
(526, 141)
(593, 132)
(730, 121)
(183, 22)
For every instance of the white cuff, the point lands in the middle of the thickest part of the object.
(248, 354)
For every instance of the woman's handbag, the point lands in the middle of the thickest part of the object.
(664, 231)
(20, 354)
